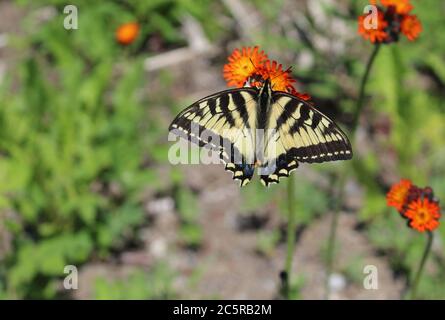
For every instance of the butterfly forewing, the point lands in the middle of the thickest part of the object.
(302, 133)
(224, 122)
(314, 137)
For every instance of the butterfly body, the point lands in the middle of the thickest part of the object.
(264, 103)
(258, 128)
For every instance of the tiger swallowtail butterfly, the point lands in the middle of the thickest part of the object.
(293, 131)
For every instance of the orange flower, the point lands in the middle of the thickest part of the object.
(424, 214)
(397, 194)
(416, 204)
(127, 33)
(400, 6)
(280, 79)
(411, 27)
(251, 67)
(242, 65)
(392, 19)
(374, 35)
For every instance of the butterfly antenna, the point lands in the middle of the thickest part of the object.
(281, 73)
(288, 70)
(253, 64)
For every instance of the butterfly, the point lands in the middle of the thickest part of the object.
(258, 128)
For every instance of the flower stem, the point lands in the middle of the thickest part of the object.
(290, 237)
(330, 252)
(342, 180)
(361, 97)
(426, 252)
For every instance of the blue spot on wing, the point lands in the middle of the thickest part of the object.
(248, 169)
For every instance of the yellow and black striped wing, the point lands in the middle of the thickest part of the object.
(300, 133)
(224, 122)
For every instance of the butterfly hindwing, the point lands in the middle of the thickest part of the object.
(283, 166)
(242, 172)
(223, 122)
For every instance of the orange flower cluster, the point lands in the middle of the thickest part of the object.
(393, 18)
(251, 67)
(418, 205)
(127, 33)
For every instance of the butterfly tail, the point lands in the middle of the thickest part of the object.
(241, 172)
(283, 167)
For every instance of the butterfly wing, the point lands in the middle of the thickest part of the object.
(224, 122)
(300, 133)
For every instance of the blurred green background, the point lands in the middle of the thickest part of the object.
(84, 174)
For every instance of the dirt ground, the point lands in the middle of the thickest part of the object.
(230, 266)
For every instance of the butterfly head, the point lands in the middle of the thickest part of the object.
(266, 90)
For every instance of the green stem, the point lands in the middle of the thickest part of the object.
(342, 179)
(291, 225)
(333, 233)
(361, 97)
(426, 252)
